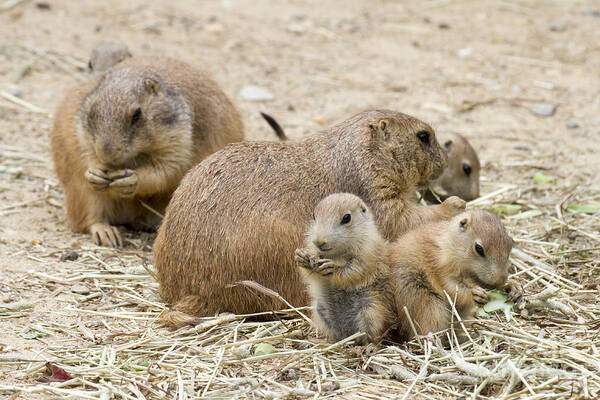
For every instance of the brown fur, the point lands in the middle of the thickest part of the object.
(241, 213)
(107, 164)
(440, 258)
(107, 55)
(344, 266)
(360, 282)
(455, 181)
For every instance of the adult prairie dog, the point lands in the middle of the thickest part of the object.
(107, 55)
(129, 136)
(242, 212)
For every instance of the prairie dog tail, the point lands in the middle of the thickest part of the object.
(276, 127)
(177, 319)
(183, 313)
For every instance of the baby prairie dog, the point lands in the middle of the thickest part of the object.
(461, 176)
(107, 55)
(129, 135)
(344, 265)
(461, 257)
(360, 282)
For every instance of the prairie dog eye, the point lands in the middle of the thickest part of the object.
(479, 249)
(467, 169)
(346, 218)
(423, 137)
(136, 116)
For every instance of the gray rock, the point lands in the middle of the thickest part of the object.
(13, 89)
(69, 256)
(256, 93)
(80, 288)
(558, 27)
(572, 124)
(543, 109)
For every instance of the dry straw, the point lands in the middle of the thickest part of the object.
(110, 342)
(550, 350)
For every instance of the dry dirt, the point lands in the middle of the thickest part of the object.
(470, 66)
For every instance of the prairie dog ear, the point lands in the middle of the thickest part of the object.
(448, 145)
(463, 224)
(380, 129)
(151, 86)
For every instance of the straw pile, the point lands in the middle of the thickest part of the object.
(549, 350)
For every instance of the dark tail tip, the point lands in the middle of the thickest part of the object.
(278, 130)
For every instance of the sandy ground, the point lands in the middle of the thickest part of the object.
(474, 67)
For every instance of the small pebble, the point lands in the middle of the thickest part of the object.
(543, 109)
(8, 298)
(256, 93)
(444, 26)
(14, 171)
(320, 120)
(572, 124)
(289, 375)
(42, 5)
(398, 88)
(80, 288)
(558, 27)
(522, 148)
(214, 28)
(464, 52)
(242, 351)
(298, 29)
(69, 256)
(329, 386)
(13, 89)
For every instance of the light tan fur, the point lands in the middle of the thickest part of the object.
(415, 271)
(107, 55)
(461, 176)
(108, 160)
(242, 212)
(440, 258)
(343, 263)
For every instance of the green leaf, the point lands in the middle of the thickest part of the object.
(585, 208)
(540, 178)
(497, 302)
(506, 208)
(30, 335)
(481, 313)
(264, 348)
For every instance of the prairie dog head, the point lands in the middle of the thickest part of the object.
(480, 246)
(407, 146)
(343, 226)
(132, 114)
(106, 55)
(461, 177)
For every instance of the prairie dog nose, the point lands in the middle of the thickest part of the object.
(321, 244)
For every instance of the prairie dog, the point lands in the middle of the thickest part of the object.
(461, 176)
(130, 135)
(251, 201)
(360, 282)
(107, 55)
(343, 263)
(461, 257)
